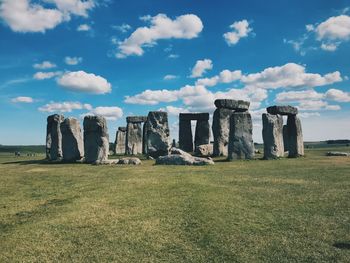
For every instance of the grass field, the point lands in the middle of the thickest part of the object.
(288, 210)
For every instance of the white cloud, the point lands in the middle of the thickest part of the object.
(73, 60)
(183, 27)
(81, 81)
(241, 29)
(316, 105)
(292, 96)
(174, 111)
(310, 28)
(22, 100)
(46, 75)
(44, 65)
(170, 77)
(201, 67)
(66, 106)
(122, 28)
(110, 113)
(152, 97)
(173, 56)
(83, 27)
(225, 76)
(334, 28)
(76, 7)
(329, 47)
(337, 95)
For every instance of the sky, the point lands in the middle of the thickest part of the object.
(119, 58)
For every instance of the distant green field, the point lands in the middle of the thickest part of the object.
(287, 210)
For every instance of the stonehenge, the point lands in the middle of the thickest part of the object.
(72, 140)
(96, 139)
(202, 131)
(279, 138)
(134, 135)
(119, 143)
(54, 137)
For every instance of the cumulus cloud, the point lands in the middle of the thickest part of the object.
(110, 113)
(76, 7)
(161, 27)
(201, 67)
(66, 106)
(170, 77)
(81, 81)
(22, 99)
(73, 60)
(334, 28)
(240, 30)
(173, 56)
(329, 47)
(151, 97)
(122, 28)
(83, 27)
(292, 96)
(44, 65)
(316, 105)
(337, 95)
(225, 76)
(174, 111)
(46, 75)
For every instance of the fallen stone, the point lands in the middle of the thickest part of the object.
(135, 119)
(282, 110)
(273, 136)
(221, 131)
(337, 154)
(180, 157)
(204, 150)
(295, 137)
(96, 139)
(194, 116)
(236, 105)
(157, 134)
(106, 162)
(119, 143)
(132, 160)
(241, 144)
(72, 140)
(54, 137)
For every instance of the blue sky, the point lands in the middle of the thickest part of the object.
(119, 58)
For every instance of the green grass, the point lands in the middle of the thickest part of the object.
(288, 210)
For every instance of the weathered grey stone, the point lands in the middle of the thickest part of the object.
(72, 140)
(54, 137)
(273, 136)
(119, 143)
(221, 131)
(135, 119)
(194, 116)
(295, 137)
(131, 160)
(204, 150)
(202, 133)
(133, 138)
(185, 135)
(173, 143)
(285, 138)
(106, 162)
(282, 110)
(179, 157)
(241, 144)
(144, 138)
(337, 154)
(236, 105)
(96, 139)
(157, 133)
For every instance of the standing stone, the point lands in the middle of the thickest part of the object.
(241, 144)
(72, 140)
(202, 134)
(144, 138)
(158, 134)
(273, 136)
(285, 138)
(185, 135)
(96, 139)
(133, 138)
(221, 131)
(295, 137)
(54, 137)
(119, 144)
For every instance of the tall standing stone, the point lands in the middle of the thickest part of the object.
(119, 143)
(133, 138)
(241, 144)
(72, 140)
(157, 134)
(295, 137)
(221, 131)
(285, 138)
(273, 136)
(202, 133)
(185, 135)
(54, 137)
(144, 138)
(96, 139)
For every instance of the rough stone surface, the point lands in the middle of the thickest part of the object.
(185, 135)
(158, 134)
(241, 144)
(202, 133)
(106, 162)
(96, 139)
(119, 143)
(204, 150)
(273, 136)
(221, 131)
(179, 157)
(132, 160)
(295, 137)
(72, 140)
(194, 116)
(54, 137)
(282, 110)
(144, 138)
(337, 154)
(133, 138)
(135, 119)
(285, 138)
(236, 105)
